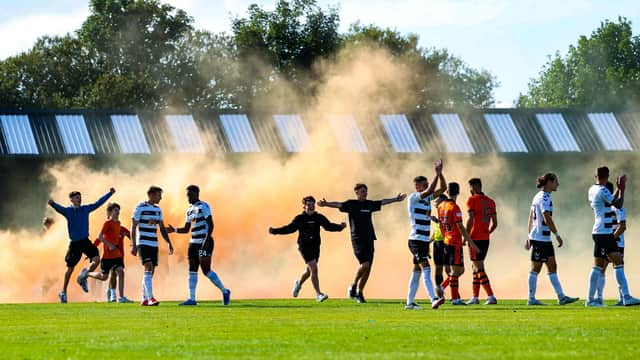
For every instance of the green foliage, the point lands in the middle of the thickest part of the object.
(143, 54)
(302, 328)
(602, 70)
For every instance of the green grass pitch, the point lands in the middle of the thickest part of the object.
(299, 328)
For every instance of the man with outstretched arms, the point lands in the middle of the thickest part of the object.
(199, 221)
(482, 221)
(363, 235)
(308, 224)
(419, 209)
(541, 226)
(147, 217)
(77, 216)
(605, 247)
(455, 237)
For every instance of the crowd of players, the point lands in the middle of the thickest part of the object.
(446, 233)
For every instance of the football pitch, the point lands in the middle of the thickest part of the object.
(303, 328)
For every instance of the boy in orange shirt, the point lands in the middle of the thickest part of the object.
(111, 236)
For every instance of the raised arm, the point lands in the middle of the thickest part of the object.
(57, 207)
(443, 186)
(432, 187)
(397, 198)
(331, 204)
(618, 200)
(102, 200)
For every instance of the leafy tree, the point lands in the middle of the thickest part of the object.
(602, 70)
(440, 79)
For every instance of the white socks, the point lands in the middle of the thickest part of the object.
(533, 283)
(147, 285)
(622, 280)
(193, 282)
(414, 283)
(553, 277)
(428, 283)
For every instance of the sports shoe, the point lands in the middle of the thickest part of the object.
(473, 301)
(437, 302)
(188, 302)
(457, 302)
(82, 280)
(440, 291)
(491, 300)
(352, 292)
(535, 302)
(153, 302)
(63, 297)
(124, 300)
(631, 301)
(226, 297)
(413, 306)
(321, 297)
(568, 300)
(144, 302)
(360, 298)
(296, 289)
(592, 303)
(619, 303)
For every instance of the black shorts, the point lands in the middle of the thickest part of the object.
(363, 251)
(309, 253)
(107, 265)
(439, 253)
(148, 254)
(197, 251)
(454, 255)
(77, 248)
(483, 245)
(420, 250)
(541, 251)
(603, 245)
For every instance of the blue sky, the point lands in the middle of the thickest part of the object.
(512, 39)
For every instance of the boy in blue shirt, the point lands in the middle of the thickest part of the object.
(77, 216)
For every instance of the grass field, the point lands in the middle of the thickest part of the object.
(302, 328)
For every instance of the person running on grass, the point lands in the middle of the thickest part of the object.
(77, 216)
(419, 208)
(541, 225)
(363, 235)
(308, 224)
(199, 221)
(112, 236)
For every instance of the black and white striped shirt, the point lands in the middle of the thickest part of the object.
(420, 216)
(148, 217)
(197, 215)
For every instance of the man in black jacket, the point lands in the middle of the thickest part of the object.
(308, 225)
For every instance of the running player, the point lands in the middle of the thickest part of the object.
(482, 221)
(419, 208)
(455, 237)
(605, 247)
(619, 223)
(439, 253)
(200, 222)
(363, 235)
(541, 226)
(77, 216)
(147, 217)
(112, 237)
(308, 224)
